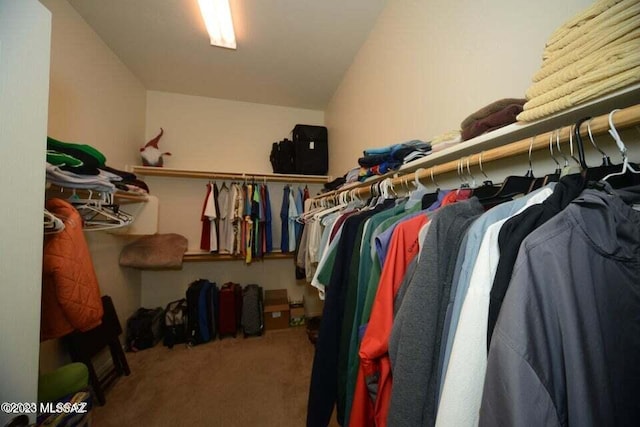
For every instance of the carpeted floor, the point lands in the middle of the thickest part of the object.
(261, 381)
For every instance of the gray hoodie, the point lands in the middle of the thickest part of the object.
(566, 348)
(414, 344)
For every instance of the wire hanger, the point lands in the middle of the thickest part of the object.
(529, 173)
(488, 188)
(571, 134)
(461, 176)
(606, 161)
(473, 179)
(555, 176)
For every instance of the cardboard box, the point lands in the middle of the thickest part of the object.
(276, 309)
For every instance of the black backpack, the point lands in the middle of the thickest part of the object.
(202, 308)
(282, 157)
(144, 328)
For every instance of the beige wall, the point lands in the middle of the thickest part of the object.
(225, 136)
(220, 135)
(94, 99)
(428, 64)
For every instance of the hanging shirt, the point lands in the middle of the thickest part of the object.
(371, 407)
(364, 275)
(462, 388)
(517, 229)
(211, 212)
(300, 209)
(205, 235)
(267, 221)
(414, 344)
(322, 278)
(293, 216)
(284, 219)
(256, 218)
(238, 217)
(323, 385)
(225, 222)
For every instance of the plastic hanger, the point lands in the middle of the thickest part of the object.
(537, 182)
(52, 224)
(512, 186)
(628, 170)
(415, 196)
(606, 168)
(430, 198)
(488, 188)
(100, 214)
(555, 176)
(606, 161)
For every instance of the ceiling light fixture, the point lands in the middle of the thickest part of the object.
(217, 18)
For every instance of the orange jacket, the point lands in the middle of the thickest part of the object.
(374, 356)
(70, 292)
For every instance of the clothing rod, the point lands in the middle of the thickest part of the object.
(623, 119)
(227, 176)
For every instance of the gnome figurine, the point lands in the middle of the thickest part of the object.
(151, 155)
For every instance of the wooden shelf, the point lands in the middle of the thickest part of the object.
(623, 98)
(210, 257)
(186, 173)
(513, 139)
(126, 198)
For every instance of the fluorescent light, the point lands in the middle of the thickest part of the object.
(217, 18)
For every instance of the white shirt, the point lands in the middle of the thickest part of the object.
(462, 391)
(225, 203)
(293, 215)
(210, 212)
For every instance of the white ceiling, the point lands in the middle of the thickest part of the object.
(290, 52)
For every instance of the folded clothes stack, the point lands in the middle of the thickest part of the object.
(445, 140)
(378, 161)
(592, 54)
(491, 117)
(82, 166)
(335, 184)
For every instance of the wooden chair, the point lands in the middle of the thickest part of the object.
(83, 346)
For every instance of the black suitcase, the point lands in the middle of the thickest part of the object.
(281, 157)
(144, 328)
(175, 323)
(311, 150)
(252, 311)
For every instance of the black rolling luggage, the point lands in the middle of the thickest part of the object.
(252, 311)
(311, 150)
